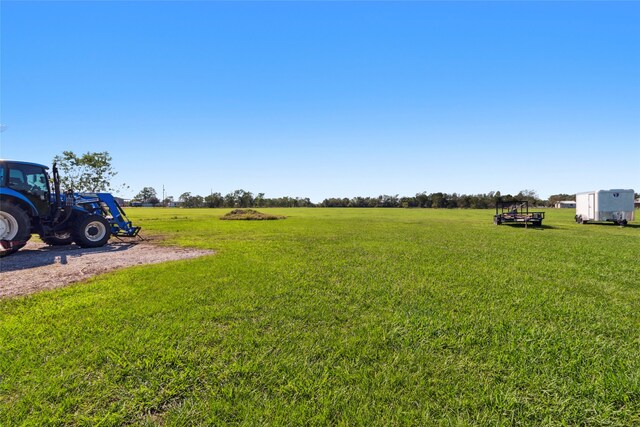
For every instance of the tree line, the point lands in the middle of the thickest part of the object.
(91, 172)
(235, 199)
(246, 199)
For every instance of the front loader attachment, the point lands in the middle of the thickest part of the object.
(104, 204)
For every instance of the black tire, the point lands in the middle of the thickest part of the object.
(92, 231)
(61, 238)
(623, 223)
(15, 225)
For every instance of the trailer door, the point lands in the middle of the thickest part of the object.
(592, 203)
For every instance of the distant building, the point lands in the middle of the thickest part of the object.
(565, 204)
(636, 203)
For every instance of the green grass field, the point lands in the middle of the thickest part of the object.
(339, 317)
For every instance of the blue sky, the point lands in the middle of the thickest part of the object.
(329, 99)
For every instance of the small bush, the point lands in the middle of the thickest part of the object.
(249, 214)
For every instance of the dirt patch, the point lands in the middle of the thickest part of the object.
(38, 266)
(249, 214)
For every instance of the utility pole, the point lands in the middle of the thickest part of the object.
(163, 202)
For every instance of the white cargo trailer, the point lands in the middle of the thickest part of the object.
(605, 205)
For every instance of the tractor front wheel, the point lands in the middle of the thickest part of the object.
(92, 231)
(15, 226)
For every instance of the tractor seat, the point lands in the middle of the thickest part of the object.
(18, 184)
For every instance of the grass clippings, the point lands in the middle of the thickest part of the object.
(250, 214)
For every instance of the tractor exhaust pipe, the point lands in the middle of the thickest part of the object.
(56, 189)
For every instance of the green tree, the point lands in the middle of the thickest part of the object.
(554, 198)
(244, 198)
(229, 201)
(184, 197)
(90, 172)
(214, 200)
(423, 200)
(146, 195)
(239, 199)
(189, 201)
(439, 200)
(195, 202)
(531, 196)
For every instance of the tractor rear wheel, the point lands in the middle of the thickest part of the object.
(61, 238)
(15, 226)
(92, 231)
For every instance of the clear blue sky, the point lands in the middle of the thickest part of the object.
(322, 99)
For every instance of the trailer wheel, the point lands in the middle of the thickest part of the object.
(623, 223)
(59, 239)
(92, 231)
(14, 226)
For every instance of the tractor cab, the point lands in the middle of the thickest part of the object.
(32, 181)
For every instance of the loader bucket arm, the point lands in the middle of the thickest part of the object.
(120, 224)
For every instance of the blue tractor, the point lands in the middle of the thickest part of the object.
(31, 203)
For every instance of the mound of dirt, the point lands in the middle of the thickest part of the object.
(38, 266)
(249, 214)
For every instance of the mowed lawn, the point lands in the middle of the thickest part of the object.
(339, 317)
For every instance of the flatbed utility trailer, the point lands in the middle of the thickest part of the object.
(516, 211)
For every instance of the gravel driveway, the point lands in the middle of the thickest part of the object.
(38, 266)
